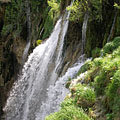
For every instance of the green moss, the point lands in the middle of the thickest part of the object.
(69, 113)
(67, 102)
(84, 96)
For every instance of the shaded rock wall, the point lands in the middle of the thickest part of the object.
(11, 50)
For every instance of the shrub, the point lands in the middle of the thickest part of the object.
(69, 113)
(98, 62)
(113, 92)
(84, 96)
(111, 46)
(67, 102)
(100, 82)
(79, 8)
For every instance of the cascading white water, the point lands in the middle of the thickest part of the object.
(84, 30)
(56, 93)
(30, 90)
(28, 16)
(25, 53)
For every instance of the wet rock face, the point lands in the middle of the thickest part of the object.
(72, 45)
(11, 50)
(10, 61)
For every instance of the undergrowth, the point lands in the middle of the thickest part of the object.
(102, 82)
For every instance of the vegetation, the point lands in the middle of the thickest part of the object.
(13, 20)
(39, 42)
(69, 113)
(116, 5)
(79, 8)
(76, 106)
(101, 87)
(53, 11)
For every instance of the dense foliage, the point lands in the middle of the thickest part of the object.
(14, 22)
(79, 8)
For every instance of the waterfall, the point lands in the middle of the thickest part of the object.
(112, 28)
(84, 30)
(25, 53)
(39, 72)
(28, 17)
(56, 93)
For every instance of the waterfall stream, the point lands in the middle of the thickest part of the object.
(25, 53)
(28, 17)
(39, 90)
(56, 93)
(84, 30)
(39, 72)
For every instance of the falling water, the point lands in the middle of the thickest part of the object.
(56, 93)
(112, 28)
(84, 30)
(25, 53)
(38, 74)
(28, 17)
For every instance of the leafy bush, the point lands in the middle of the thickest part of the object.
(111, 46)
(113, 92)
(79, 8)
(67, 102)
(98, 62)
(96, 10)
(84, 96)
(53, 11)
(69, 113)
(108, 67)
